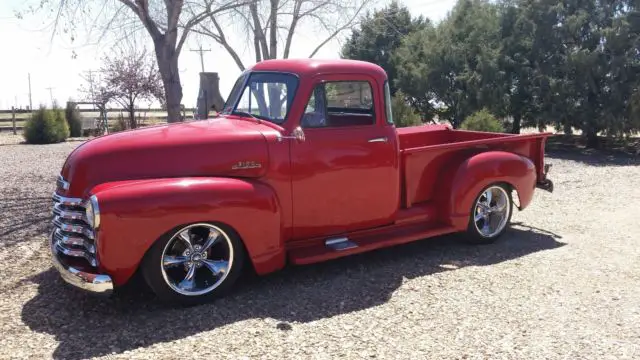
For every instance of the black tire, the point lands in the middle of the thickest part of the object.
(154, 275)
(473, 235)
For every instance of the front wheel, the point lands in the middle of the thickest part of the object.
(194, 264)
(490, 214)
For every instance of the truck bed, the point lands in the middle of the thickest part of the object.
(426, 150)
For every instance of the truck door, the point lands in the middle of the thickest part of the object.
(345, 172)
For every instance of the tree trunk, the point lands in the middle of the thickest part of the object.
(168, 66)
(592, 138)
(275, 102)
(132, 117)
(568, 131)
(273, 32)
(515, 129)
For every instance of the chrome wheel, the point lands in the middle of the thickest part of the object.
(197, 259)
(491, 211)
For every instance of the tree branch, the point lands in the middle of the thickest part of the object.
(294, 22)
(340, 29)
(260, 40)
(222, 40)
(141, 9)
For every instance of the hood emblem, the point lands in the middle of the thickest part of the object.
(240, 165)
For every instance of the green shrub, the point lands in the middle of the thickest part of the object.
(482, 120)
(120, 125)
(74, 121)
(46, 126)
(62, 125)
(403, 114)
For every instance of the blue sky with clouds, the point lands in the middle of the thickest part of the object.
(27, 48)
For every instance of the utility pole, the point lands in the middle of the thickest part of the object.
(51, 93)
(30, 103)
(201, 51)
(93, 98)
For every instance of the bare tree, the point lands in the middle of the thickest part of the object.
(268, 21)
(167, 22)
(129, 77)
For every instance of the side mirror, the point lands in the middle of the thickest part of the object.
(296, 134)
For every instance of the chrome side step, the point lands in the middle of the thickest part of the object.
(339, 244)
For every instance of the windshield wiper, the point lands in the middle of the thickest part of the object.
(244, 113)
(247, 114)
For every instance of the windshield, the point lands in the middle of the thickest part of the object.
(266, 96)
(235, 92)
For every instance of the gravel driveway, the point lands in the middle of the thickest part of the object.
(563, 283)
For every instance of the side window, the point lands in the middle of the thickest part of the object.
(315, 111)
(339, 104)
(387, 103)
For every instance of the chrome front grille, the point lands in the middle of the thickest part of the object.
(72, 235)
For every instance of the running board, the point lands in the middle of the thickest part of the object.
(317, 250)
(339, 244)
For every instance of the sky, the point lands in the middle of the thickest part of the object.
(28, 50)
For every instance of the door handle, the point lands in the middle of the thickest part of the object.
(380, 139)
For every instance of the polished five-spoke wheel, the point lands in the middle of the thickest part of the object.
(197, 259)
(490, 215)
(194, 263)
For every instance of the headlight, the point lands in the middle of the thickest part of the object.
(92, 212)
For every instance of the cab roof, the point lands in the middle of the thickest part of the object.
(311, 67)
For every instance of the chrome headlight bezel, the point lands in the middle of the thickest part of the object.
(92, 212)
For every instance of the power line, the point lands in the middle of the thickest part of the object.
(201, 51)
(90, 80)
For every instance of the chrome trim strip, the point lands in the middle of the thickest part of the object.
(330, 242)
(339, 244)
(96, 212)
(380, 139)
(96, 283)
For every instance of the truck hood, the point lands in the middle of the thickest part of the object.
(215, 147)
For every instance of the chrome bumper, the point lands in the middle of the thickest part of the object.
(545, 184)
(95, 283)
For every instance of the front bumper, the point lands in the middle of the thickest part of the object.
(95, 283)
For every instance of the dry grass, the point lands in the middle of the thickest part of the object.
(563, 283)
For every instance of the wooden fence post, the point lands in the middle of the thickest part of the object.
(13, 120)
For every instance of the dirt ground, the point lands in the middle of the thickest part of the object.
(563, 283)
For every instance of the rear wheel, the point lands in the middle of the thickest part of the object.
(194, 264)
(490, 214)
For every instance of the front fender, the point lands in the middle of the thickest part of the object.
(134, 214)
(471, 175)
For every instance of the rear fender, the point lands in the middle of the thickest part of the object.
(466, 178)
(134, 214)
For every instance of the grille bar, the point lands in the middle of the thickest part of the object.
(67, 214)
(76, 253)
(81, 229)
(74, 241)
(61, 183)
(73, 237)
(67, 201)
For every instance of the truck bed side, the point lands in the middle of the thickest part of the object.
(427, 153)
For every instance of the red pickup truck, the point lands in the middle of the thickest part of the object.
(302, 165)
